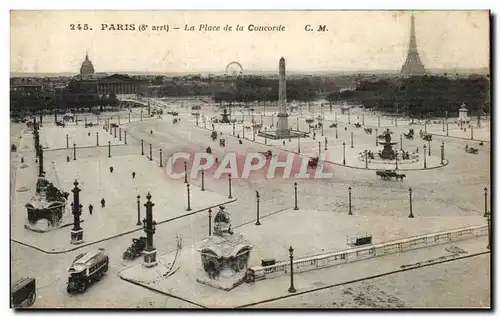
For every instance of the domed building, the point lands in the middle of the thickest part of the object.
(87, 68)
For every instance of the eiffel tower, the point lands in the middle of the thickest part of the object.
(413, 65)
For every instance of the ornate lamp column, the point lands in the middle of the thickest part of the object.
(229, 184)
(150, 229)
(292, 287)
(185, 173)
(188, 197)
(446, 129)
(411, 208)
(139, 210)
(425, 159)
(161, 158)
(120, 134)
(258, 207)
(352, 140)
(471, 132)
(295, 190)
(76, 231)
(343, 160)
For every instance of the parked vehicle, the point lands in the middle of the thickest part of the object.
(135, 250)
(23, 292)
(86, 269)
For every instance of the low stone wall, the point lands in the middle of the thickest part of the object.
(360, 253)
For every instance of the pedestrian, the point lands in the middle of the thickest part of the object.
(111, 169)
(91, 208)
(133, 175)
(216, 160)
(103, 203)
(417, 149)
(283, 142)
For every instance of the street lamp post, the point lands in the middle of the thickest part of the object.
(411, 208)
(471, 132)
(265, 135)
(425, 159)
(319, 149)
(188, 197)
(446, 129)
(401, 141)
(209, 222)
(343, 160)
(326, 144)
(485, 201)
(161, 158)
(396, 162)
(97, 138)
(120, 134)
(442, 153)
(67, 141)
(109, 149)
(292, 288)
(229, 185)
(142, 147)
(379, 121)
(139, 210)
(295, 190)
(350, 207)
(298, 144)
(366, 159)
(352, 140)
(150, 152)
(185, 173)
(74, 151)
(203, 180)
(336, 133)
(125, 136)
(376, 137)
(429, 142)
(488, 219)
(258, 207)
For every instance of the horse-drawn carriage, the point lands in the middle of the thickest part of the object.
(334, 125)
(175, 114)
(135, 250)
(471, 150)
(268, 154)
(222, 142)
(213, 135)
(410, 134)
(357, 125)
(313, 162)
(60, 123)
(368, 131)
(427, 137)
(389, 174)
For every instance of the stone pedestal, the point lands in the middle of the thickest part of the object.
(149, 258)
(77, 237)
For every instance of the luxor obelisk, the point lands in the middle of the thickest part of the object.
(282, 125)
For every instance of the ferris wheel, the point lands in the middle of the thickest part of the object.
(234, 69)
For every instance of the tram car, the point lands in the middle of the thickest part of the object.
(86, 269)
(23, 293)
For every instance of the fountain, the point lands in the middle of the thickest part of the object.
(225, 117)
(387, 153)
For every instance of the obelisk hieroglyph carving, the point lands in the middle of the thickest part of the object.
(282, 125)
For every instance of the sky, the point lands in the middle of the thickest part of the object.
(42, 42)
